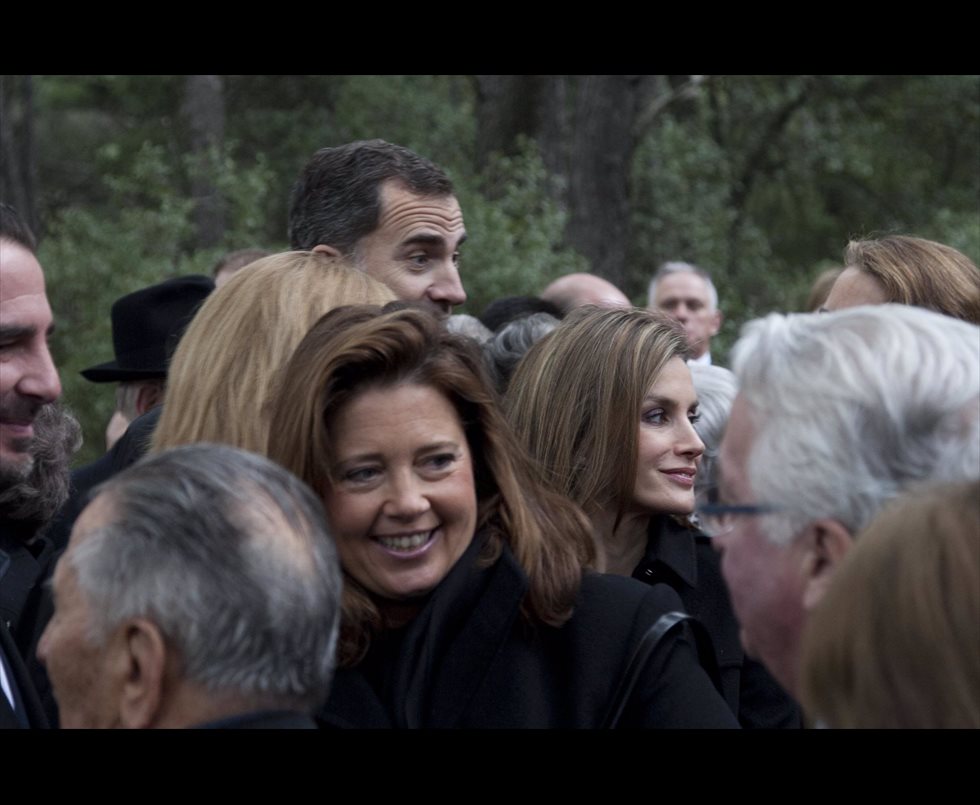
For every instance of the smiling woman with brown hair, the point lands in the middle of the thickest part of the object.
(606, 406)
(468, 597)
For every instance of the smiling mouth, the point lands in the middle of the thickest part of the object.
(406, 543)
(683, 477)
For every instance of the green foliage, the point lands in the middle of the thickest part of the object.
(94, 255)
(763, 179)
(760, 179)
(515, 244)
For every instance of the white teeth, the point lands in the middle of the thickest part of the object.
(406, 543)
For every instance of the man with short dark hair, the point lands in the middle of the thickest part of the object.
(389, 211)
(200, 588)
(29, 384)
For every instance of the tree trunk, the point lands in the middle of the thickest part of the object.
(203, 109)
(584, 127)
(19, 156)
(600, 154)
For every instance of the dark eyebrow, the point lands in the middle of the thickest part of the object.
(16, 332)
(19, 331)
(424, 239)
(430, 239)
(667, 402)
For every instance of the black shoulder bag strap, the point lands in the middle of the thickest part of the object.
(644, 650)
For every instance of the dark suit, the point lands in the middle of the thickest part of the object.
(25, 603)
(469, 659)
(262, 720)
(29, 713)
(685, 560)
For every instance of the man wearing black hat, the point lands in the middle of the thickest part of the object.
(146, 326)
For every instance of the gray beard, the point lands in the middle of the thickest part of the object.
(13, 474)
(33, 489)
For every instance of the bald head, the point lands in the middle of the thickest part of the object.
(575, 290)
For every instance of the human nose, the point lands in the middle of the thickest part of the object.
(448, 288)
(689, 443)
(406, 499)
(40, 379)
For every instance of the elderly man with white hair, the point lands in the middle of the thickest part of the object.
(836, 415)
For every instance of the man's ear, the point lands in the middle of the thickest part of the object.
(716, 324)
(149, 395)
(330, 251)
(142, 662)
(826, 543)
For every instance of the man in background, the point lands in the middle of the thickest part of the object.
(390, 212)
(574, 290)
(687, 293)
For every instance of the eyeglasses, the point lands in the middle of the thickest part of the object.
(716, 519)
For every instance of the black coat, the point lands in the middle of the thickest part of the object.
(30, 712)
(26, 606)
(685, 560)
(262, 720)
(469, 659)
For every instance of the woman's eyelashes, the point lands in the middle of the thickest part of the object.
(659, 416)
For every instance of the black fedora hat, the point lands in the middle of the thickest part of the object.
(146, 326)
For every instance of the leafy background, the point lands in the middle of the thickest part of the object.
(760, 179)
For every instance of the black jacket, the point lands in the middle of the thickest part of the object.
(685, 560)
(30, 712)
(26, 606)
(469, 659)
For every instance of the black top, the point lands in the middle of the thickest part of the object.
(262, 720)
(684, 559)
(26, 605)
(469, 659)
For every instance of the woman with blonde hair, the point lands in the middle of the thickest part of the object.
(896, 640)
(468, 596)
(230, 358)
(907, 271)
(606, 407)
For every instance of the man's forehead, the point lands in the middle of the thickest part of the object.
(401, 207)
(23, 277)
(682, 283)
